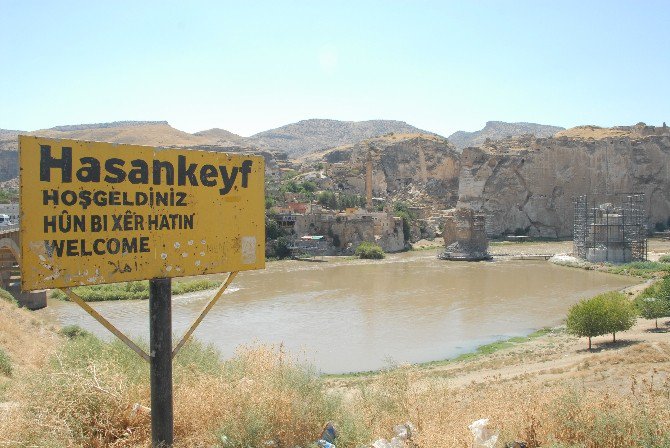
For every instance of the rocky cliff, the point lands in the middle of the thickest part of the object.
(527, 185)
(414, 167)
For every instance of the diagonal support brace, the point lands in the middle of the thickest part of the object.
(204, 312)
(105, 323)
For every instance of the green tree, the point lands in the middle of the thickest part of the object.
(281, 247)
(652, 308)
(402, 207)
(328, 200)
(663, 289)
(402, 210)
(587, 318)
(272, 229)
(291, 186)
(654, 302)
(620, 313)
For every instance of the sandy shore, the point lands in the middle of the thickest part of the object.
(640, 355)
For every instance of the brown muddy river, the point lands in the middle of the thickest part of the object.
(346, 316)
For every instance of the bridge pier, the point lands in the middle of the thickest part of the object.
(33, 300)
(10, 257)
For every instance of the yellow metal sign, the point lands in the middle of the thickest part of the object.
(96, 213)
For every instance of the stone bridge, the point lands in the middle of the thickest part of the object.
(10, 277)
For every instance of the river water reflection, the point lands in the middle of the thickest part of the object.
(357, 315)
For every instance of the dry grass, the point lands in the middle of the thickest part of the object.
(27, 340)
(85, 397)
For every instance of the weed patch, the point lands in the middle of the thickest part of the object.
(133, 290)
(5, 364)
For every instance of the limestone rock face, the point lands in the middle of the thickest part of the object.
(411, 167)
(527, 185)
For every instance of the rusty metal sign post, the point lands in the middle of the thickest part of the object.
(95, 213)
(160, 343)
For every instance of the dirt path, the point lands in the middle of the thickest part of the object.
(642, 352)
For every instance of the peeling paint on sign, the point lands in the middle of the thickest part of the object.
(103, 213)
(248, 249)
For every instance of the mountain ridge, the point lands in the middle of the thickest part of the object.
(315, 134)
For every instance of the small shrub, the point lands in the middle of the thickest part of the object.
(5, 363)
(74, 331)
(369, 250)
(665, 258)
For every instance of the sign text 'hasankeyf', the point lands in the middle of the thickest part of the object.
(102, 213)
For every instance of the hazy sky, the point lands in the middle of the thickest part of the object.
(251, 66)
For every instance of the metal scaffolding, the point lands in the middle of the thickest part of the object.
(610, 228)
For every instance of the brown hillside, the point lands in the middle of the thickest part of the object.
(152, 134)
(218, 136)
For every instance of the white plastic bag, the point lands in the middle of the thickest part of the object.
(484, 437)
(381, 443)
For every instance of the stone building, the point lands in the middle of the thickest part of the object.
(347, 231)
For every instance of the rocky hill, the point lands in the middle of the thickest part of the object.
(598, 133)
(307, 136)
(498, 130)
(220, 136)
(9, 139)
